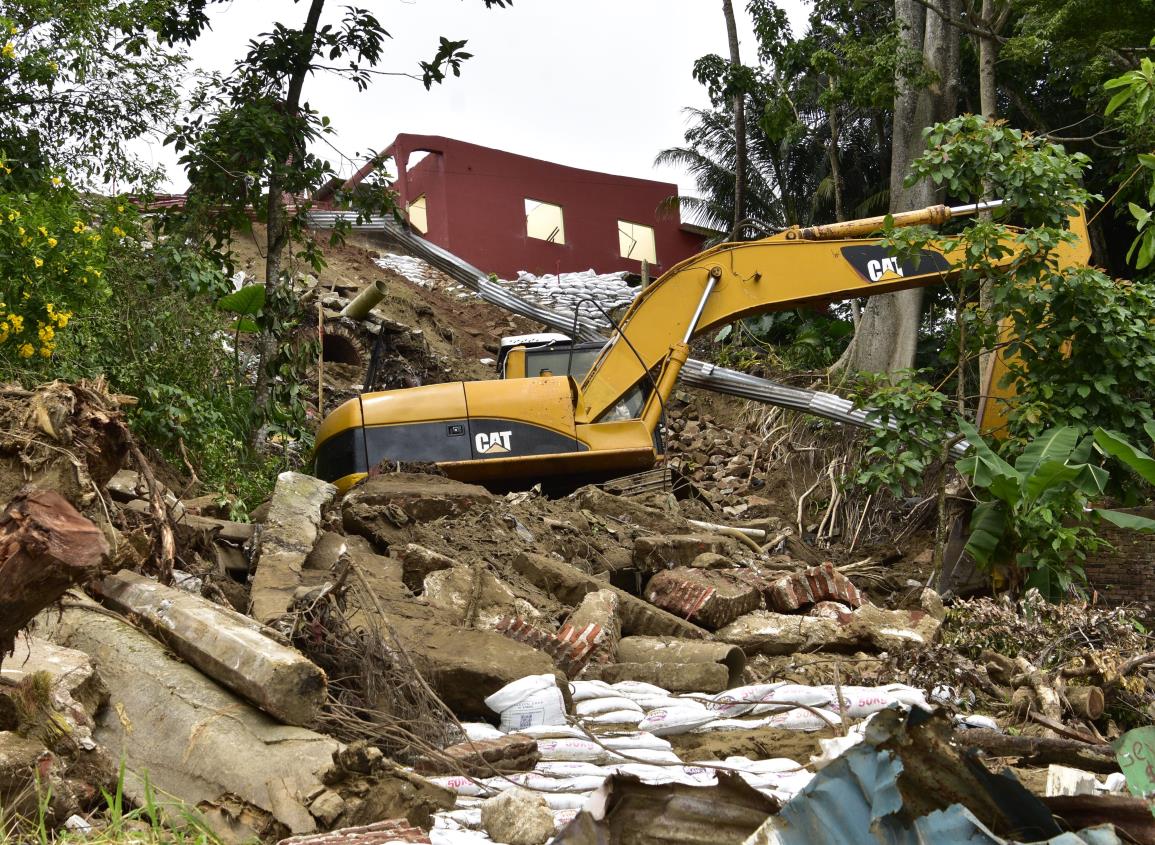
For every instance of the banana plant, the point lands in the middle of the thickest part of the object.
(1037, 513)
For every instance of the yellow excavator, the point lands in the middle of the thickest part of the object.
(516, 432)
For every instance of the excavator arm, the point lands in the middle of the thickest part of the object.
(798, 267)
(513, 433)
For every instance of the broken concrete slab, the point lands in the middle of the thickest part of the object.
(674, 650)
(517, 817)
(380, 505)
(195, 740)
(596, 621)
(711, 598)
(229, 647)
(289, 533)
(792, 592)
(675, 677)
(868, 627)
(379, 833)
(474, 597)
(630, 512)
(667, 551)
(570, 585)
(76, 690)
(569, 654)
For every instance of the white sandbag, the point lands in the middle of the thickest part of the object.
(651, 702)
(833, 748)
(577, 750)
(478, 731)
(975, 720)
(775, 765)
(735, 702)
(565, 800)
(468, 818)
(544, 783)
(570, 769)
(533, 700)
(659, 775)
(858, 702)
(636, 688)
(644, 755)
(669, 721)
(461, 785)
(615, 717)
(551, 732)
(561, 818)
(634, 739)
(731, 725)
(584, 690)
(908, 695)
(799, 719)
(792, 694)
(458, 837)
(594, 706)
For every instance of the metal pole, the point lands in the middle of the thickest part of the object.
(971, 208)
(715, 274)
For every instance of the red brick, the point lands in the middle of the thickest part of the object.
(708, 597)
(378, 833)
(792, 592)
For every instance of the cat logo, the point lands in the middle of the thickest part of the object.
(492, 443)
(876, 268)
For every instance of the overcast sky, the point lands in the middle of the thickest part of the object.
(599, 84)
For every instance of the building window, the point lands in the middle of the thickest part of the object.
(637, 242)
(418, 218)
(544, 222)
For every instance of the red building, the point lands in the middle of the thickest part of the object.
(503, 212)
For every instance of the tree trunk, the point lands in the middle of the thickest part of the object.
(739, 123)
(276, 220)
(887, 332)
(988, 103)
(835, 164)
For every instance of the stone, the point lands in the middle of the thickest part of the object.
(381, 504)
(624, 510)
(418, 561)
(792, 592)
(828, 610)
(288, 536)
(866, 628)
(472, 596)
(667, 551)
(227, 646)
(570, 585)
(327, 807)
(672, 650)
(517, 817)
(711, 560)
(707, 597)
(483, 758)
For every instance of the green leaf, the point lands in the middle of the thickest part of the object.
(1056, 444)
(1130, 521)
(988, 525)
(984, 466)
(245, 326)
(248, 300)
(1118, 100)
(1120, 448)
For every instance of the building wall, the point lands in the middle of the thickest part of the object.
(475, 201)
(1125, 573)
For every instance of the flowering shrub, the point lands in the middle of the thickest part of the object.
(54, 250)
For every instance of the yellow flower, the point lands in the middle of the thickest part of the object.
(120, 209)
(62, 318)
(38, 262)
(8, 51)
(46, 350)
(3, 337)
(52, 242)
(46, 334)
(13, 214)
(42, 231)
(12, 28)
(79, 227)
(26, 350)
(20, 229)
(57, 181)
(17, 321)
(52, 67)
(119, 232)
(94, 237)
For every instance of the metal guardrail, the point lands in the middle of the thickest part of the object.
(694, 373)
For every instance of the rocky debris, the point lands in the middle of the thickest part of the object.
(378, 833)
(289, 532)
(373, 788)
(418, 562)
(712, 598)
(166, 719)
(671, 650)
(227, 646)
(518, 817)
(812, 586)
(667, 551)
(46, 546)
(381, 504)
(483, 757)
(570, 586)
(472, 596)
(868, 627)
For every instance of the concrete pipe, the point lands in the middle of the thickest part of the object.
(675, 677)
(363, 303)
(674, 650)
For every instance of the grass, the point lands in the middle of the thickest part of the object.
(149, 824)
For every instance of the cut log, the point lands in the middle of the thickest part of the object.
(195, 740)
(670, 650)
(46, 546)
(188, 525)
(1085, 702)
(227, 646)
(1041, 751)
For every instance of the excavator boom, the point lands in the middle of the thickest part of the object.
(517, 432)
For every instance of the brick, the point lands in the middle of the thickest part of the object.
(569, 648)
(710, 598)
(595, 622)
(482, 758)
(792, 592)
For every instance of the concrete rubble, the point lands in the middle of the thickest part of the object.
(423, 660)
